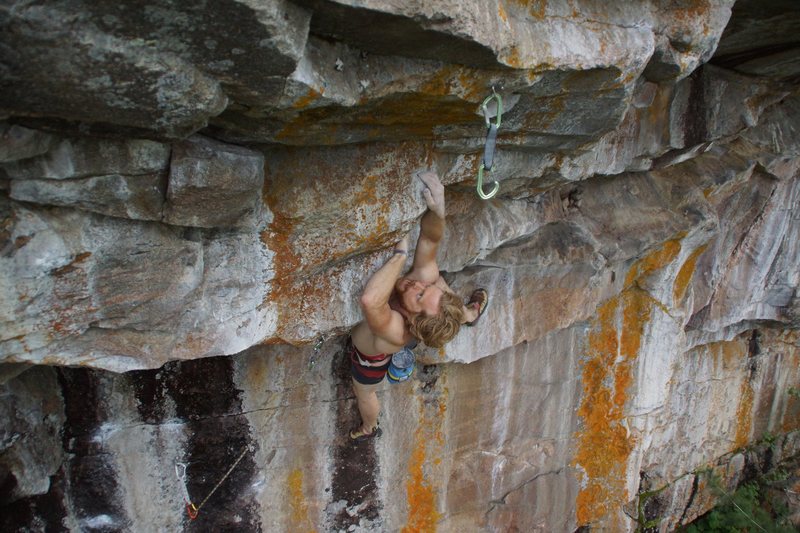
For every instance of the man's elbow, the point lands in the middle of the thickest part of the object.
(368, 301)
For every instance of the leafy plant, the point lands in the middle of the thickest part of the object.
(741, 511)
(779, 474)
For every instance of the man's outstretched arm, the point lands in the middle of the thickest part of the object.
(431, 230)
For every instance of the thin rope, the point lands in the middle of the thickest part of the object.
(180, 468)
(221, 481)
(742, 510)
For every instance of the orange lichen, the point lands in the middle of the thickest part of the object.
(471, 85)
(690, 12)
(428, 445)
(512, 57)
(422, 514)
(791, 414)
(278, 238)
(744, 415)
(307, 99)
(536, 8)
(655, 260)
(441, 83)
(298, 518)
(411, 115)
(604, 442)
(502, 12)
(685, 275)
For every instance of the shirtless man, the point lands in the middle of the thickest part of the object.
(399, 309)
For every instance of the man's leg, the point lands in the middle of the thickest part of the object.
(368, 405)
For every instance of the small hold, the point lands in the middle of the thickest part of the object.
(339, 65)
(364, 84)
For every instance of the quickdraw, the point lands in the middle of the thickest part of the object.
(315, 353)
(180, 472)
(180, 468)
(491, 141)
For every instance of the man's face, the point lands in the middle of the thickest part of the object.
(418, 297)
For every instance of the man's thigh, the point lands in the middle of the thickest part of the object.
(362, 388)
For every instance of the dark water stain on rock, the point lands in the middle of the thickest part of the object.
(206, 397)
(93, 481)
(695, 129)
(45, 512)
(150, 392)
(354, 490)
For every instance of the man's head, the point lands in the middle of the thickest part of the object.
(434, 315)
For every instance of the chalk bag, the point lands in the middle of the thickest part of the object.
(402, 366)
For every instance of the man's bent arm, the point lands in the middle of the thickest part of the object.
(431, 231)
(375, 298)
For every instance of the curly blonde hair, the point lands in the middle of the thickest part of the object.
(436, 330)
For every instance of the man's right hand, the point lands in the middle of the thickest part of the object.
(433, 192)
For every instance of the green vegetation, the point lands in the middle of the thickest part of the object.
(743, 510)
(643, 523)
(769, 438)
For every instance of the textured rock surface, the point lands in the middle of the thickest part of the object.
(212, 184)
(180, 181)
(484, 446)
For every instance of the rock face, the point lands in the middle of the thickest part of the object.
(192, 196)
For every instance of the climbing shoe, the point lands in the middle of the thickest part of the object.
(480, 297)
(358, 434)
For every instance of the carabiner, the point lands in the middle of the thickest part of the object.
(180, 471)
(484, 107)
(487, 163)
(490, 194)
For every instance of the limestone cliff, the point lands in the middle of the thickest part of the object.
(192, 195)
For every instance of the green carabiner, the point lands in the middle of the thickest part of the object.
(487, 163)
(490, 194)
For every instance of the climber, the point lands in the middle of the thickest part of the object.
(401, 309)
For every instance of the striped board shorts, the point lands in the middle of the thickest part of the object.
(367, 369)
